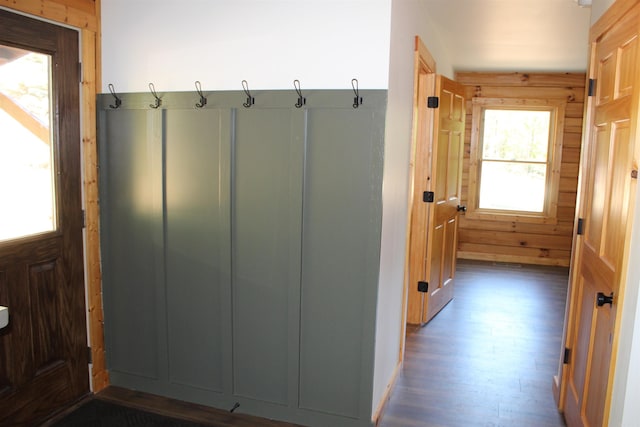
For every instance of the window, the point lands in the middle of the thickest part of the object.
(514, 170)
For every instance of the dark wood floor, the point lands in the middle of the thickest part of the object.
(172, 408)
(488, 358)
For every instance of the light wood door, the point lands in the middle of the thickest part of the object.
(445, 183)
(434, 224)
(606, 196)
(43, 350)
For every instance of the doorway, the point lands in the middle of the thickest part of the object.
(43, 350)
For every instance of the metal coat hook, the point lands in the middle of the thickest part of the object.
(118, 100)
(203, 100)
(301, 99)
(250, 99)
(357, 101)
(158, 103)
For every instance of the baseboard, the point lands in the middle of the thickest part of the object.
(377, 416)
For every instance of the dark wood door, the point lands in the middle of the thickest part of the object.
(43, 354)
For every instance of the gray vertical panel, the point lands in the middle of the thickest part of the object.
(129, 162)
(266, 199)
(341, 237)
(195, 232)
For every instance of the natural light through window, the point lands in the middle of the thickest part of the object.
(27, 184)
(514, 162)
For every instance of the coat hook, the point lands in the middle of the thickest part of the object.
(158, 103)
(250, 99)
(203, 100)
(301, 100)
(118, 100)
(357, 101)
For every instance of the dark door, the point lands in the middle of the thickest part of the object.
(43, 355)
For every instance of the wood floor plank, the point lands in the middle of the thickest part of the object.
(488, 358)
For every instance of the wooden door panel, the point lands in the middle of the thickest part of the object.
(449, 252)
(626, 78)
(446, 166)
(435, 258)
(455, 167)
(43, 350)
(606, 199)
(598, 365)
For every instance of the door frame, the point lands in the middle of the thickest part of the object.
(424, 63)
(620, 361)
(83, 16)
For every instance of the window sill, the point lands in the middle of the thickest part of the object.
(511, 217)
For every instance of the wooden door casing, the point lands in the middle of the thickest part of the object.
(606, 198)
(43, 351)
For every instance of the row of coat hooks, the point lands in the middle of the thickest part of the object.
(357, 100)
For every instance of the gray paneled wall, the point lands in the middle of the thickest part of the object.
(241, 250)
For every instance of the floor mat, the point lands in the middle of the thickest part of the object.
(97, 413)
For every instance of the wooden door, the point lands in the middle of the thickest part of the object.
(445, 183)
(606, 194)
(434, 223)
(43, 351)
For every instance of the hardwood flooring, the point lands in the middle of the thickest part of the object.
(488, 358)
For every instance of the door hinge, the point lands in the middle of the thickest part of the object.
(89, 355)
(423, 286)
(84, 218)
(433, 102)
(567, 356)
(580, 230)
(80, 72)
(592, 87)
(428, 196)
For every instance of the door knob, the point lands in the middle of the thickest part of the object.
(461, 208)
(602, 299)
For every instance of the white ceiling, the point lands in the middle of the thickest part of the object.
(512, 35)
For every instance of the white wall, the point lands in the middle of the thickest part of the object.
(598, 7)
(408, 19)
(269, 43)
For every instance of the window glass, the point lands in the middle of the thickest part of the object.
(514, 160)
(27, 184)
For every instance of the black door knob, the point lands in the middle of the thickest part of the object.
(602, 299)
(461, 208)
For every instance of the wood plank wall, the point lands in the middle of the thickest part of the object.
(84, 15)
(505, 241)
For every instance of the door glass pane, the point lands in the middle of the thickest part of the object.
(27, 184)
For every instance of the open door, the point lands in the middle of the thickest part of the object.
(606, 194)
(434, 223)
(43, 350)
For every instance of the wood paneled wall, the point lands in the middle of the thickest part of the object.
(506, 241)
(84, 15)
